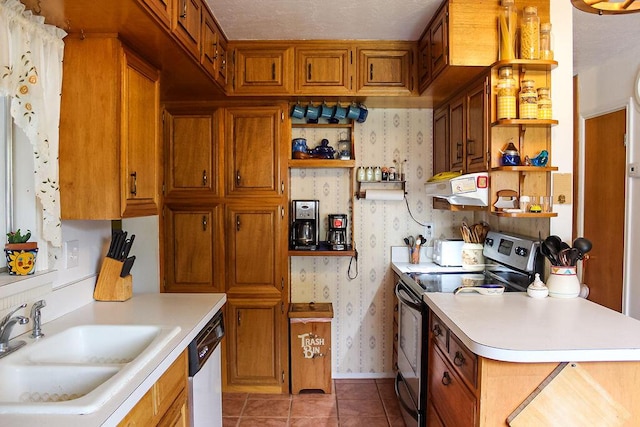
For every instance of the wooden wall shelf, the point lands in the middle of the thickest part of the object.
(525, 169)
(524, 122)
(525, 214)
(321, 163)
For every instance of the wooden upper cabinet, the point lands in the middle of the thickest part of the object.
(113, 142)
(161, 9)
(213, 49)
(324, 71)
(441, 140)
(185, 25)
(439, 32)
(477, 131)
(386, 69)
(424, 61)
(457, 134)
(192, 153)
(253, 155)
(263, 70)
(222, 62)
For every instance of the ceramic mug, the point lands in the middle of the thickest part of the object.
(297, 111)
(312, 112)
(339, 112)
(325, 111)
(362, 117)
(353, 112)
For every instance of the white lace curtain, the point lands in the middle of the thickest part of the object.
(31, 75)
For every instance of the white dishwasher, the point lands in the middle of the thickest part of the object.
(205, 386)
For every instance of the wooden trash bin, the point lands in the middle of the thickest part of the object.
(310, 344)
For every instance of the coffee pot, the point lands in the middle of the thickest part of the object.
(337, 232)
(305, 224)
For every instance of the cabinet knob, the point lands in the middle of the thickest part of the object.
(458, 360)
(370, 71)
(183, 15)
(309, 72)
(238, 178)
(204, 223)
(436, 330)
(134, 184)
(446, 378)
(204, 178)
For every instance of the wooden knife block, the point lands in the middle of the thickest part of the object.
(110, 286)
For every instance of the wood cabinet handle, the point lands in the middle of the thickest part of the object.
(183, 15)
(204, 178)
(446, 379)
(238, 178)
(134, 184)
(458, 360)
(237, 222)
(204, 223)
(309, 72)
(370, 71)
(273, 71)
(436, 330)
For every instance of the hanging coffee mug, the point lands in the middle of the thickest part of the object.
(353, 112)
(297, 111)
(339, 113)
(312, 113)
(362, 117)
(325, 111)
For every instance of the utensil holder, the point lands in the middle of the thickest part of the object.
(110, 286)
(563, 282)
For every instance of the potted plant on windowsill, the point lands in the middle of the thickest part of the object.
(20, 253)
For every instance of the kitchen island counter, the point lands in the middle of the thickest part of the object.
(189, 312)
(513, 327)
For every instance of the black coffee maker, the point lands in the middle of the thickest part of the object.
(305, 224)
(337, 233)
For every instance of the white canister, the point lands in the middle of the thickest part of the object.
(563, 282)
(472, 257)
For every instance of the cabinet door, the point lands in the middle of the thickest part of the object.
(140, 140)
(385, 71)
(424, 61)
(186, 24)
(439, 41)
(477, 119)
(209, 43)
(193, 249)
(441, 140)
(162, 10)
(456, 134)
(253, 136)
(191, 153)
(222, 61)
(254, 249)
(323, 71)
(253, 342)
(263, 71)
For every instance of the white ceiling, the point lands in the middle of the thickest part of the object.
(596, 38)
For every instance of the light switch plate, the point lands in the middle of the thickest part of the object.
(72, 253)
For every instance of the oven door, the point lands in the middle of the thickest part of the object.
(408, 380)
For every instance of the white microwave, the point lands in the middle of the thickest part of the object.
(448, 252)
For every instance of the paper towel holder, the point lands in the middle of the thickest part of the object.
(381, 190)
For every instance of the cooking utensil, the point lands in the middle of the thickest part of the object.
(548, 251)
(126, 266)
(582, 245)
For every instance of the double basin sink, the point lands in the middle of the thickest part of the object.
(77, 370)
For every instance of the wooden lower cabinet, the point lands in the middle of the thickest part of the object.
(165, 404)
(255, 338)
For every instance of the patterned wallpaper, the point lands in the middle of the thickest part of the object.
(362, 337)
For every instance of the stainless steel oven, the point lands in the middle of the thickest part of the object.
(410, 382)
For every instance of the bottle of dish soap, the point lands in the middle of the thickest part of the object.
(537, 288)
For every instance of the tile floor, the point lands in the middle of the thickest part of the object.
(370, 403)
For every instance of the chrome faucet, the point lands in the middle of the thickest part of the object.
(37, 317)
(6, 326)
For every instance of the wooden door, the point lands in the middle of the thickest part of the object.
(193, 249)
(254, 342)
(477, 129)
(186, 24)
(604, 207)
(439, 42)
(385, 71)
(456, 134)
(424, 61)
(209, 43)
(162, 10)
(255, 249)
(324, 71)
(253, 136)
(191, 153)
(262, 71)
(223, 63)
(140, 134)
(441, 140)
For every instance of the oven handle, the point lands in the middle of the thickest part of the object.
(402, 289)
(396, 385)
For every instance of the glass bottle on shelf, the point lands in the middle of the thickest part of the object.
(369, 174)
(362, 174)
(545, 42)
(528, 100)
(530, 34)
(377, 174)
(544, 104)
(507, 25)
(506, 94)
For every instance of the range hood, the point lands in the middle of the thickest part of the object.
(470, 189)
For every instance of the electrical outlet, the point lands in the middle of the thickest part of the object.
(72, 250)
(429, 231)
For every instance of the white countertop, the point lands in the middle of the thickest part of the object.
(190, 312)
(400, 262)
(513, 327)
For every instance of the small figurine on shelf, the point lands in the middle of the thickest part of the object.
(323, 151)
(541, 159)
